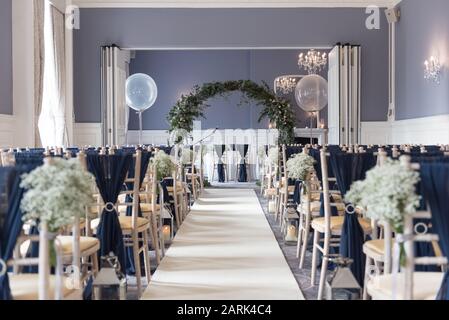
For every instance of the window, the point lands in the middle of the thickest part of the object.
(52, 117)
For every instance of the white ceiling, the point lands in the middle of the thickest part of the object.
(232, 3)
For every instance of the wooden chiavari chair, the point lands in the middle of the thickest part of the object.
(133, 226)
(330, 227)
(407, 284)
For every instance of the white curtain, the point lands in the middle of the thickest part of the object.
(52, 123)
(39, 64)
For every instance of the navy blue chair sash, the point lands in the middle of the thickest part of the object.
(110, 172)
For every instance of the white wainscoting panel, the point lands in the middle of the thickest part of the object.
(428, 130)
(87, 134)
(155, 137)
(8, 131)
(378, 132)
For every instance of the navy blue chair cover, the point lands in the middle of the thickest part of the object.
(220, 149)
(349, 168)
(434, 178)
(243, 174)
(167, 150)
(11, 225)
(145, 161)
(292, 150)
(297, 192)
(110, 172)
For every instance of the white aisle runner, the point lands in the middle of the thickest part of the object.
(225, 250)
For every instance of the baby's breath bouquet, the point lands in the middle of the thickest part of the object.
(186, 156)
(56, 193)
(300, 166)
(388, 194)
(179, 136)
(262, 153)
(273, 155)
(164, 165)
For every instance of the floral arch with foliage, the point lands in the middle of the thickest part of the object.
(192, 106)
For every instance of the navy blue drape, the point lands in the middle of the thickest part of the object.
(349, 168)
(110, 172)
(243, 174)
(146, 156)
(434, 179)
(220, 149)
(11, 225)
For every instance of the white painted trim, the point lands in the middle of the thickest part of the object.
(427, 130)
(87, 134)
(378, 132)
(232, 3)
(23, 72)
(70, 121)
(8, 125)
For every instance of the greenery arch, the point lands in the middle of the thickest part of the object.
(192, 106)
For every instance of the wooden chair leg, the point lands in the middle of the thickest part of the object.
(95, 264)
(155, 238)
(367, 274)
(146, 256)
(316, 241)
(305, 241)
(136, 256)
(300, 234)
(323, 277)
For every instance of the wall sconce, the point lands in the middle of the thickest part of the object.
(432, 70)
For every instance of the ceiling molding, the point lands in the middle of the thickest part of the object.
(233, 3)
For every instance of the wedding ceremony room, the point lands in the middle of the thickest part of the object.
(224, 150)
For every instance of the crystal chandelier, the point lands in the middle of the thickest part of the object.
(285, 84)
(432, 70)
(313, 62)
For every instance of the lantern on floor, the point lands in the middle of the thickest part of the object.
(168, 225)
(110, 283)
(341, 284)
(291, 225)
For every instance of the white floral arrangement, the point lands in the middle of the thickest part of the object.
(273, 155)
(179, 137)
(261, 153)
(56, 193)
(388, 193)
(164, 165)
(300, 166)
(186, 156)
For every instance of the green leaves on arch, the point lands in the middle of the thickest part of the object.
(192, 106)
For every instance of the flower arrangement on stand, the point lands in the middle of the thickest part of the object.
(192, 106)
(56, 193)
(387, 194)
(164, 165)
(300, 166)
(186, 156)
(273, 155)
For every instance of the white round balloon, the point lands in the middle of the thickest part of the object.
(312, 93)
(141, 92)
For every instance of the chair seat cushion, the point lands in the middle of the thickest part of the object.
(125, 223)
(26, 287)
(426, 286)
(86, 244)
(375, 247)
(319, 224)
(145, 207)
(315, 206)
(270, 192)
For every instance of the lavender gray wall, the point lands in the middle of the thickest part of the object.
(423, 31)
(178, 71)
(6, 57)
(197, 28)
